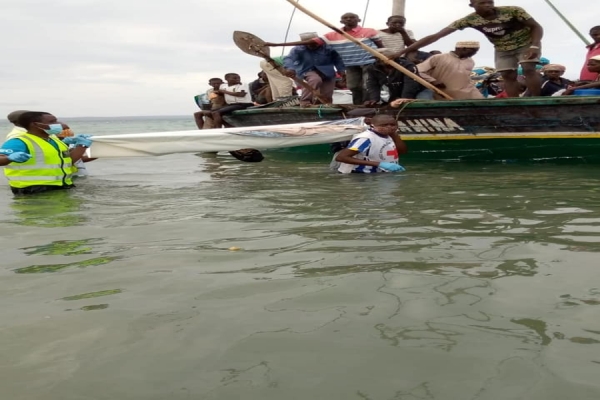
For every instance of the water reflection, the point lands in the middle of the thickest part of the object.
(59, 209)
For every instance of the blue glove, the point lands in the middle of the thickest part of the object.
(391, 167)
(83, 140)
(69, 140)
(19, 157)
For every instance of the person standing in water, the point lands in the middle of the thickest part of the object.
(375, 150)
(516, 36)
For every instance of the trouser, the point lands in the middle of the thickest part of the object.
(39, 189)
(356, 79)
(281, 85)
(323, 85)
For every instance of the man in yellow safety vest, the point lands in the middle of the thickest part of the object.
(37, 161)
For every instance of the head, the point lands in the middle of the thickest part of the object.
(593, 64)
(39, 122)
(232, 79)
(384, 124)
(466, 49)
(554, 71)
(595, 34)
(215, 83)
(483, 7)
(396, 23)
(350, 20)
(13, 117)
(314, 44)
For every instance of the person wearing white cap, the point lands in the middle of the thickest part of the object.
(13, 118)
(317, 64)
(516, 36)
(593, 65)
(452, 71)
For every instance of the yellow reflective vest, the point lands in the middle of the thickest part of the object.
(47, 166)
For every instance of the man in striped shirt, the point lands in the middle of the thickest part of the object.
(354, 57)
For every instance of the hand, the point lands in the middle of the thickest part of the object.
(83, 140)
(19, 157)
(398, 102)
(568, 92)
(290, 73)
(391, 167)
(370, 103)
(532, 54)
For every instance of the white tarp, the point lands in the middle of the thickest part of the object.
(211, 140)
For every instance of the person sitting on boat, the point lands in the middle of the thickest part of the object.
(552, 80)
(13, 118)
(204, 118)
(355, 58)
(399, 85)
(593, 50)
(375, 150)
(593, 65)
(237, 96)
(516, 37)
(258, 85)
(395, 37)
(452, 71)
(317, 64)
(37, 161)
(282, 87)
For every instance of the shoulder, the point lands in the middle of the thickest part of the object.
(369, 32)
(514, 11)
(466, 21)
(223, 86)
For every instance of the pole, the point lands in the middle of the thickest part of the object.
(399, 7)
(569, 24)
(375, 53)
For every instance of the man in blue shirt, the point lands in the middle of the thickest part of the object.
(316, 63)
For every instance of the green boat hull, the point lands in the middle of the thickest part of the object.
(527, 129)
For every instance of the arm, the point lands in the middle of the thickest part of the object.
(347, 157)
(400, 144)
(234, 94)
(289, 61)
(537, 33)
(378, 42)
(593, 85)
(426, 41)
(426, 67)
(4, 160)
(76, 153)
(338, 63)
(406, 37)
(9, 147)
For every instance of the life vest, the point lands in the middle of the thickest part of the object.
(48, 166)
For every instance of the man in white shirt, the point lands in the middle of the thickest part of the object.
(237, 96)
(13, 117)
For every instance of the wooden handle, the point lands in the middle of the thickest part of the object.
(370, 50)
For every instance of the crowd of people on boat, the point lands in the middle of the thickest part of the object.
(333, 61)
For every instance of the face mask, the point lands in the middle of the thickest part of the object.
(53, 129)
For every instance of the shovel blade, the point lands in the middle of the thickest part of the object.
(251, 44)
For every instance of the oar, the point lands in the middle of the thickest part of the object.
(370, 50)
(255, 46)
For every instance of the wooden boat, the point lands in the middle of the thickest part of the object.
(519, 129)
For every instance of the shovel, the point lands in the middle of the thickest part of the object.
(255, 46)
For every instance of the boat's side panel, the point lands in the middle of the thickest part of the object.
(484, 150)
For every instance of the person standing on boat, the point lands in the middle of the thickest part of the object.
(317, 64)
(281, 86)
(593, 50)
(37, 161)
(395, 37)
(552, 80)
(374, 150)
(237, 96)
(452, 71)
(399, 85)
(355, 58)
(516, 36)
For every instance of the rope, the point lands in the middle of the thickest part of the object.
(287, 32)
(401, 109)
(365, 16)
(319, 111)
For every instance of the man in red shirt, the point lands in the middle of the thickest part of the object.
(593, 50)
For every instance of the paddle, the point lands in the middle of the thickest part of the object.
(370, 50)
(255, 46)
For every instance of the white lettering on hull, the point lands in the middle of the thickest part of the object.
(429, 125)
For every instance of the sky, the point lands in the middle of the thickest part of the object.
(79, 58)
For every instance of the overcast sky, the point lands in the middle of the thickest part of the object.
(150, 57)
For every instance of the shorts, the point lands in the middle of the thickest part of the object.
(228, 109)
(38, 189)
(510, 60)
